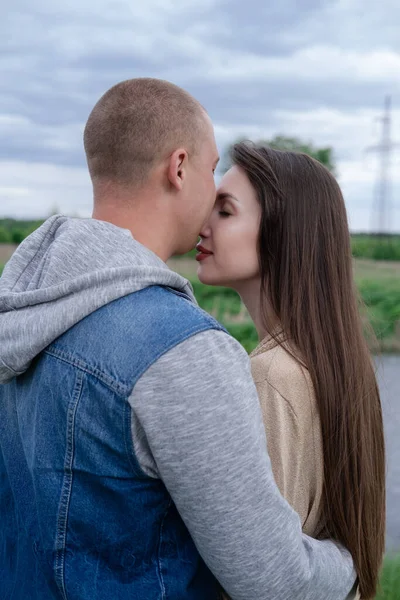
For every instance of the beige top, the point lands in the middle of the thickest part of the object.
(293, 429)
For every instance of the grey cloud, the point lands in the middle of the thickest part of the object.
(265, 27)
(58, 60)
(30, 148)
(255, 103)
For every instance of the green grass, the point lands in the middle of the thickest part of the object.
(379, 287)
(383, 305)
(389, 588)
(376, 247)
(225, 305)
(378, 283)
(217, 300)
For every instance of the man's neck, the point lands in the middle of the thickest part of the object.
(141, 214)
(144, 230)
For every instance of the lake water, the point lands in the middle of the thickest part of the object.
(389, 384)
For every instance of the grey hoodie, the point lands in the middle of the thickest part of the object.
(217, 469)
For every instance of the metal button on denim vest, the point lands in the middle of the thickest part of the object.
(79, 517)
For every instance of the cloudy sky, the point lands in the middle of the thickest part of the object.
(318, 69)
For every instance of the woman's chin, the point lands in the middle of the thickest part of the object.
(207, 278)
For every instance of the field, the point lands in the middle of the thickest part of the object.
(370, 246)
(378, 283)
(390, 579)
(5, 252)
(379, 286)
(376, 247)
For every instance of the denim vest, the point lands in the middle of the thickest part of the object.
(79, 517)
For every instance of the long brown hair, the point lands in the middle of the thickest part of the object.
(307, 276)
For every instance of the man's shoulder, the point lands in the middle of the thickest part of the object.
(154, 307)
(169, 308)
(127, 335)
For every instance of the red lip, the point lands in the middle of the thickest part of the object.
(202, 250)
(200, 257)
(203, 253)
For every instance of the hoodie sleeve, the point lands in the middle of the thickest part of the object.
(197, 410)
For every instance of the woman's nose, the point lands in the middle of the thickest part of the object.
(205, 230)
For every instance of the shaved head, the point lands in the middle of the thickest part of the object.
(137, 124)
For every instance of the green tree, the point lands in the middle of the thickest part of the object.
(293, 144)
(5, 237)
(17, 236)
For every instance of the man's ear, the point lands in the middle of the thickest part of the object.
(177, 168)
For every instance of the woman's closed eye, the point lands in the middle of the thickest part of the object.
(224, 213)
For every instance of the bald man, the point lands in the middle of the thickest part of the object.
(133, 458)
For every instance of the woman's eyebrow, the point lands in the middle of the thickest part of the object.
(226, 196)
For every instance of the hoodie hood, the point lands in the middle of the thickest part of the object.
(61, 273)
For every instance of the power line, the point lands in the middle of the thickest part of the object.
(381, 212)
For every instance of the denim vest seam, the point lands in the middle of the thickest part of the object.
(68, 358)
(131, 455)
(211, 321)
(131, 451)
(182, 337)
(207, 317)
(129, 447)
(122, 388)
(61, 531)
(178, 293)
(159, 560)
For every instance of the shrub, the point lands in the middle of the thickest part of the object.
(5, 237)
